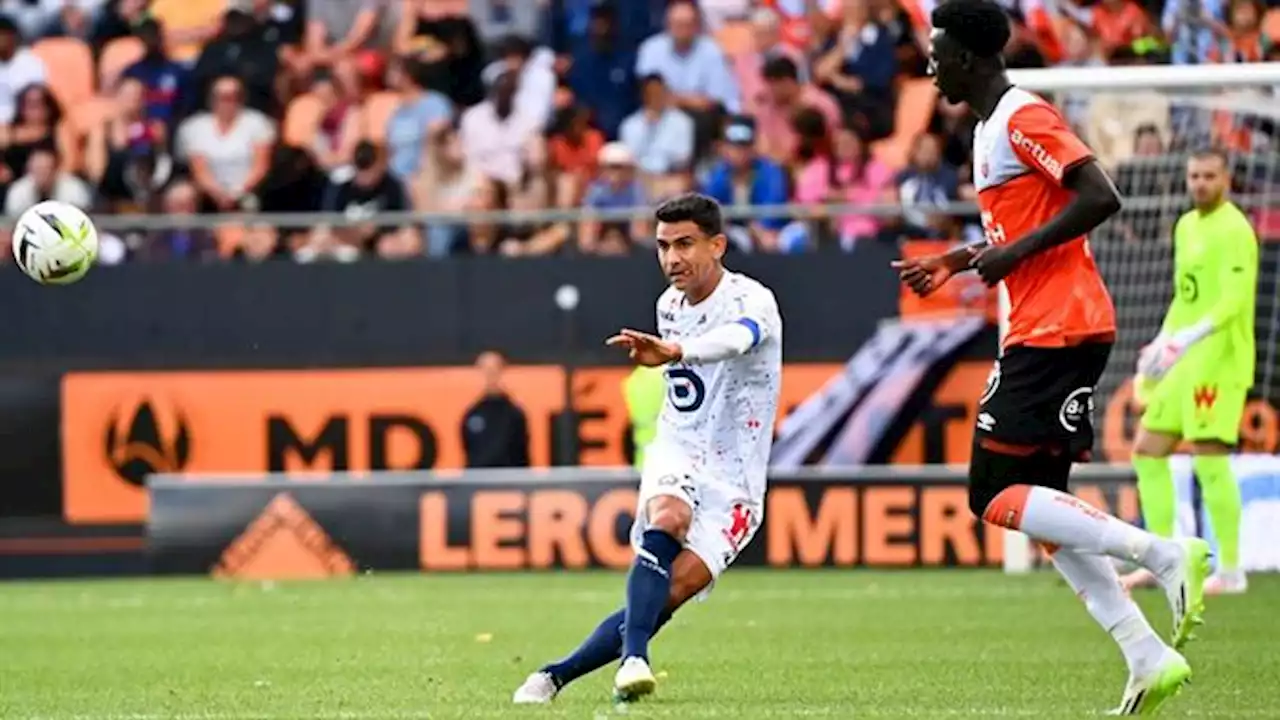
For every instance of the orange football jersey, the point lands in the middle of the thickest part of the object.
(1020, 155)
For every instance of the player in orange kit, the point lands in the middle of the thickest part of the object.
(1040, 191)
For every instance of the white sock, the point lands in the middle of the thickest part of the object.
(1067, 521)
(1094, 579)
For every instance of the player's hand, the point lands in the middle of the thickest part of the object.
(1158, 358)
(995, 262)
(646, 349)
(923, 275)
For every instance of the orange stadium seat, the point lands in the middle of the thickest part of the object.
(916, 99)
(1271, 24)
(90, 114)
(185, 15)
(117, 56)
(377, 111)
(301, 120)
(70, 66)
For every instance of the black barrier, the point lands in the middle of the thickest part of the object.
(402, 521)
(410, 313)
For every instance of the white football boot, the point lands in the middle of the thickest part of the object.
(634, 679)
(1183, 586)
(538, 689)
(1145, 695)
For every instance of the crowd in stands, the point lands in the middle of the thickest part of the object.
(360, 107)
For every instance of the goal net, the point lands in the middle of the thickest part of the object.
(1143, 123)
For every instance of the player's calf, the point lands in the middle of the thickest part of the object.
(649, 582)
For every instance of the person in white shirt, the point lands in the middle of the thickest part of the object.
(704, 479)
(497, 138)
(43, 182)
(19, 67)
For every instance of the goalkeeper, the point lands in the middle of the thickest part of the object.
(1194, 377)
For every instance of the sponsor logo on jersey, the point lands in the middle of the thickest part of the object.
(1205, 396)
(1042, 156)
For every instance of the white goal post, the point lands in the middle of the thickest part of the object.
(1235, 107)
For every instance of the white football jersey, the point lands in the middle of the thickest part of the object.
(718, 416)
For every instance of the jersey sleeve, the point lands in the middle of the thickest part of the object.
(1041, 139)
(1235, 261)
(758, 312)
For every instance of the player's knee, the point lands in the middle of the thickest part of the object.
(1147, 443)
(670, 515)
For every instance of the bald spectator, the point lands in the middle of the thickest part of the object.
(495, 433)
(784, 97)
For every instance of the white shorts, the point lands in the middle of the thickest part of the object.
(725, 516)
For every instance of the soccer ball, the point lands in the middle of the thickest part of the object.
(55, 243)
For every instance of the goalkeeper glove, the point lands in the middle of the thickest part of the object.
(1157, 359)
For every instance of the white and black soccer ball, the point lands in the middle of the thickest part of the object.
(55, 243)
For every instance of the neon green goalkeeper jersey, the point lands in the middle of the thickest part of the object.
(1216, 278)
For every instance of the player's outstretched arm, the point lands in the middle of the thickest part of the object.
(1095, 199)
(720, 343)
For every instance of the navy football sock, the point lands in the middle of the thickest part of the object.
(648, 586)
(602, 646)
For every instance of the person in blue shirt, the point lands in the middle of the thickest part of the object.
(617, 188)
(744, 178)
(167, 85)
(858, 66)
(602, 71)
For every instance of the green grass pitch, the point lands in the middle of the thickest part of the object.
(768, 644)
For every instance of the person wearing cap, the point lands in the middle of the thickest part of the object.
(617, 188)
(19, 67)
(744, 178)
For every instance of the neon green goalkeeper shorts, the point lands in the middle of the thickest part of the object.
(1196, 407)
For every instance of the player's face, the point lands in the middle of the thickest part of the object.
(948, 64)
(688, 256)
(1206, 180)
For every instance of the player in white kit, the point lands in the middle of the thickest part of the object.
(703, 484)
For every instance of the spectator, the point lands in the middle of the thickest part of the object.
(1241, 39)
(70, 18)
(125, 134)
(498, 19)
(743, 178)
(260, 243)
(448, 43)
(766, 38)
(37, 123)
(338, 28)
(602, 71)
(182, 199)
(694, 68)
(926, 181)
(617, 188)
(783, 97)
(19, 69)
(535, 73)
(568, 24)
(851, 176)
(1116, 23)
(953, 123)
(228, 148)
(495, 432)
(420, 112)
(282, 27)
(444, 186)
(166, 83)
(239, 51)
(497, 140)
(1079, 51)
(859, 66)
(341, 122)
(573, 149)
(371, 192)
(118, 19)
(531, 239)
(1113, 118)
(799, 24)
(1189, 26)
(661, 138)
(43, 181)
